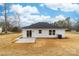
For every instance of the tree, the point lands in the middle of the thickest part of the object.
(18, 17)
(61, 23)
(68, 23)
(64, 24)
(5, 16)
(9, 26)
(9, 23)
(77, 25)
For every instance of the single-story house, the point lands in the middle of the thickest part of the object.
(40, 30)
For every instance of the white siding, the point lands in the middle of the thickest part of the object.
(45, 33)
(24, 34)
(60, 31)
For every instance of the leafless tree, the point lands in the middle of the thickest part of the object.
(5, 16)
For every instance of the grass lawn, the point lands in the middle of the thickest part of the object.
(42, 47)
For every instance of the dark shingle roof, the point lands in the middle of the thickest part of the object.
(43, 25)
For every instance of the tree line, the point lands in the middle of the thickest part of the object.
(8, 25)
(14, 25)
(68, 24)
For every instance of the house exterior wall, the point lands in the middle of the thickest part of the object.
(24, 32)
(45, 33)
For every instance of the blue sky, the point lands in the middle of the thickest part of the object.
(42, 11)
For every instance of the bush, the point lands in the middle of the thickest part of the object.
(16, 29)
(77, 30)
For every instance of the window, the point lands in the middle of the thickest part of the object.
(40, 31)
(50, 32)
(53, 32)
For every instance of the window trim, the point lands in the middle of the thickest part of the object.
(52, 32)
(40, 31)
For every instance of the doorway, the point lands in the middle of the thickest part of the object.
(29, 33)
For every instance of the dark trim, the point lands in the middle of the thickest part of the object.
(29, 33)
(40, 31)
(42, 25)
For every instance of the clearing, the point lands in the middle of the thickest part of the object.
(42, 47)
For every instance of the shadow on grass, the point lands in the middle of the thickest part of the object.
(3, 33)
(53, 38)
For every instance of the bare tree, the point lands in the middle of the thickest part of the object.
(77, 25)
(5, 16)
(68, 23)
(61, 23)
(18, 16)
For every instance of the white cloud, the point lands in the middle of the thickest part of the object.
(27, 18)
(30, 19)
(57, 18)
(1, 17)
(25, 13)
(60, 17)
(17, 8)
(3, 12)
(53, 6)
(66, 7)
(41, 5)
(27, 9)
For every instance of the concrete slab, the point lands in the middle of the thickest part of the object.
(25, 40)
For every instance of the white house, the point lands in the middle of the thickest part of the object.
(40, 30)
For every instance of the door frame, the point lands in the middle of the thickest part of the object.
(29, 33)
